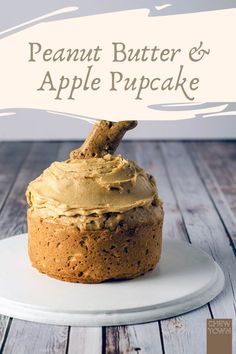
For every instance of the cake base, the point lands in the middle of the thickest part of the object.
(93, 256)
(185, 279)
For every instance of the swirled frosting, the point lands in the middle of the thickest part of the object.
(86, 187)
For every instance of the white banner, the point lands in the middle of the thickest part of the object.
(122, 66)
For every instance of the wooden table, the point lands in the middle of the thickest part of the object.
(197, 181)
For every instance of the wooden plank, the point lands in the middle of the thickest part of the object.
(226, 153)
(213, 164)
(143, 338)
(34, 338)
(222, 161)
(5, 323)
(183, 332)
(12, 156)
(186, 334)
(25, 337)
(202, 222)
(12, 217)
(85, 340)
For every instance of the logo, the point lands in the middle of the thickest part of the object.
(219, 336)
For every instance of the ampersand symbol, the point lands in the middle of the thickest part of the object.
(197, 53)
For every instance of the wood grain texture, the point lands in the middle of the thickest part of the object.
(12, 217)
(85, 340)
(202, 222)
(226, 152)
(197, 183)
(35, 338)
(11, 159)
(216, 164)
(15, 152)
(5, 323)
(143, 339)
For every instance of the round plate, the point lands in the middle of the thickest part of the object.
(186, 278)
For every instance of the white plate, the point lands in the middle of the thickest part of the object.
(185, 279)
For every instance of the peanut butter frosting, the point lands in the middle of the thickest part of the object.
(95, 185)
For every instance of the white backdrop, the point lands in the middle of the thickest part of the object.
(38, 125)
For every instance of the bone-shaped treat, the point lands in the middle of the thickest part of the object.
(103, 139)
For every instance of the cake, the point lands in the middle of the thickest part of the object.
(94, 219)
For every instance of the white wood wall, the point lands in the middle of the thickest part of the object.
(37, 125)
